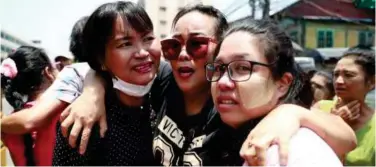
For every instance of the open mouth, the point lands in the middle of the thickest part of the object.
(185, 72)
(143, 67)
(225, 103)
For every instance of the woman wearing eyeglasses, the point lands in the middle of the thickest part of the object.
(187, 100)
(254, 72)
(184, 112)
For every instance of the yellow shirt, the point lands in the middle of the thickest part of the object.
(364, 153)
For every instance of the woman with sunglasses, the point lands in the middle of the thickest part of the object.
(185, 90)
(183, 116)
(256, 59)
(187, 100)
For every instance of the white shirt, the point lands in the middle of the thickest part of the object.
(306, 149)
(69, 83)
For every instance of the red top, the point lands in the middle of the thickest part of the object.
(44, 143)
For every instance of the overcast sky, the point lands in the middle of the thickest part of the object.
(52, 20)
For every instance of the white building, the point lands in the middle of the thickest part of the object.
(162, 12)
(9, 42)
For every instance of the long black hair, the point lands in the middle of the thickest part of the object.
(30, 62)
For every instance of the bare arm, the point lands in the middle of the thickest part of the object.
(63, 90)
(283, 122)
(85, 111)
(332, 128)
(306, 149)
(32, 118)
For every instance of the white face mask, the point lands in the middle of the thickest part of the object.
(132, 89)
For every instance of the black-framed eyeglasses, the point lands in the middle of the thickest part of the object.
(238, 70)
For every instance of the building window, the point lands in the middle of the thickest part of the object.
(325, 38)
(5, 36)
(6, 49)
(162, 8)
(365, 38)
(10, 38)
(294, 36)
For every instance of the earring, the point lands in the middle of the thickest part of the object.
(103, 68)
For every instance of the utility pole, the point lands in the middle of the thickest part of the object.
(264, 5)
(265, 8)
(252, 4)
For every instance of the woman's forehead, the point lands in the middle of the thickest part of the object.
(195, 22)
(122, 28)
(345, 63)
(348, 65)
(241, 45)
(188, 33)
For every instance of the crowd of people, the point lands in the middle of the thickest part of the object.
(227, 95)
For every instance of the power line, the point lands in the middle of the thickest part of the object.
(229, 7)
(257, 6)
(237, 8)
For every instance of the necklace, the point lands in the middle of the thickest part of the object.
(152, 114)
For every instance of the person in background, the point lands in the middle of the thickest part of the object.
(370, 97)
(63, 60)
(25, 76)
(322, 86)
(354, 77)
(75, 45)
(311, 73)
(45, 112)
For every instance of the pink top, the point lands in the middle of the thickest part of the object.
(306, 149)
(44, 143)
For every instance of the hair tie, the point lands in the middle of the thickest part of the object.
(8, 68)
